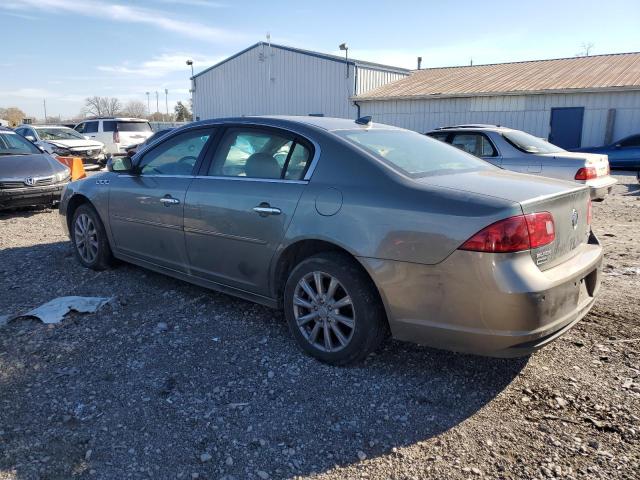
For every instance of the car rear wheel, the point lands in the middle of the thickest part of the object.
(333, 309)
(89, 239)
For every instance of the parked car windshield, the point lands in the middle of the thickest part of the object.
(59, 134)
(13, 144)
(530, 144)
(414, 154)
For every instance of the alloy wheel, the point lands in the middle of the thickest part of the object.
(324, 311)
(86, 238)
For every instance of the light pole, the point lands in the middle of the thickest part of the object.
(192, 90)
(345, 48)
(157, 104)
(166, 101)
(148, 107)
(44, 104)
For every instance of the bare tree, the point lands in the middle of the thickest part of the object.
(102, 106)
(135, 108)
(585, 49)
(13, 115)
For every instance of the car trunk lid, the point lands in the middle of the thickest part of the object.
(598, 161)
(569, 210)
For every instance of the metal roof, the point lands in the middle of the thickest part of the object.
(326, 56)
(620, 71)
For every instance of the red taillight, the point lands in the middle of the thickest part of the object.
(586, 173)
(514, 234)
(116, 136)
(589, 212)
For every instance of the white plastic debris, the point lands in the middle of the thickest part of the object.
(4, 319)
(55, 310)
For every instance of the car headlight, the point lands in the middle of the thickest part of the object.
(63, 176)
(60, 150)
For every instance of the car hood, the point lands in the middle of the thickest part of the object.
(22, 166)
(75, 143)
(503, 184)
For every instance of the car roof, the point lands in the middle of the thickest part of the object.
(119, 119)
(44, 126)
(473, 126)
(325, 123)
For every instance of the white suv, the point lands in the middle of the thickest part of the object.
(116, 133)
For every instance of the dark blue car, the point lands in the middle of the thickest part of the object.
(624, 153)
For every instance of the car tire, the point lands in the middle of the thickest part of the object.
(357, 301)
(89, 238)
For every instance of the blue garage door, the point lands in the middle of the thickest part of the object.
(566, 127)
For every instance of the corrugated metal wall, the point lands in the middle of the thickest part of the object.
(272, 81)
(369, 78)
(530, 113)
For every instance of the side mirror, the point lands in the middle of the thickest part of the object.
(120, 165)
(31, 138)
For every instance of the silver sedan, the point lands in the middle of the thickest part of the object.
(519, 151)
(355, 229)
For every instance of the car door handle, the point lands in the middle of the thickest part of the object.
(169, 201)
(265, 209)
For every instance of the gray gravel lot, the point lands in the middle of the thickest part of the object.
(173, 381)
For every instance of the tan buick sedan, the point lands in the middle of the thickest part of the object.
(355, 229)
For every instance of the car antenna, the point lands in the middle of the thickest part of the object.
(364, 120)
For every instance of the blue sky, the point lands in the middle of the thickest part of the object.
(66, 50)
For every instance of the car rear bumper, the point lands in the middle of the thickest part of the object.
(601, 187)
(22, 197)
(488, 304)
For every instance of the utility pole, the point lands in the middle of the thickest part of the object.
(44, 104)
(192, 90)
(157, 107)
(166, 101)
(148, 107)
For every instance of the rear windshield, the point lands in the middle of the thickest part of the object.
(13, 144)
(110, 126)
(528, 143)
(414, 154)
(59, 134)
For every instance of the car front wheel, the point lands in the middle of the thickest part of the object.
(333, 309)
(89, 238)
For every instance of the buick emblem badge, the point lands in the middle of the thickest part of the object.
(574, 218)
(30, 181)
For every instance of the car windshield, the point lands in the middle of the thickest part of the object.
(13, 144)
(58, 133)
(134, 127)
(414, 154)
(528, 143)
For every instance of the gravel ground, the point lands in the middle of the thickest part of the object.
(173, 381)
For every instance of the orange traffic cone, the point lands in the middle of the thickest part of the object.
(75, 164)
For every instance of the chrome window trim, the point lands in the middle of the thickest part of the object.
(210, 177)
(308, 174)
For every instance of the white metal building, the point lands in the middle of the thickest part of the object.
(269, 79)
(581, 101)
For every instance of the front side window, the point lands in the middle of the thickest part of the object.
(13, 144)
(474, 143)
(631, 141)
(413, 154)
(442, 136)
(530, 144)
(176, 155)
(79, 128)
(260, 154)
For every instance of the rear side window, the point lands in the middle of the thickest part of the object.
(90, 127)
(631, 141)
(413, 154)
(260, 154)
(108, 126)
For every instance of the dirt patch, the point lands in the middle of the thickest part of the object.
(173, 381)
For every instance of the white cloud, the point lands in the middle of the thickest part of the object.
(161, 65)
(125, 13)
(195, 3)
